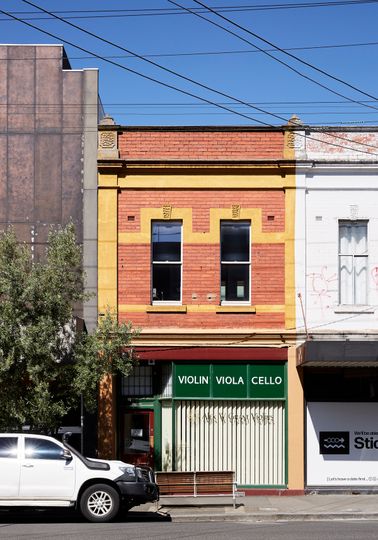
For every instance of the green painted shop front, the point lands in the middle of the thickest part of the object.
(208, 416)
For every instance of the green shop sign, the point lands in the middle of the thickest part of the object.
(229, 381)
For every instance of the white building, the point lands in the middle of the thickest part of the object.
(337, 302)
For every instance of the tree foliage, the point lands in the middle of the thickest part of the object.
(46, 363)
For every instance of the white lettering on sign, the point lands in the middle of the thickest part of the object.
(266, 380)
(193, 379)
(229, 380)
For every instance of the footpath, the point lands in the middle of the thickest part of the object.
(311, 507)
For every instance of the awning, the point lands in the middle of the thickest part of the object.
(345, 353)
(195, 353)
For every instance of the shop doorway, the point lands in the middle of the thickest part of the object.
(137, 445)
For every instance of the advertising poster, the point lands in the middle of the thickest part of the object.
(342, 444)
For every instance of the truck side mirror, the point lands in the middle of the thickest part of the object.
(66, 454)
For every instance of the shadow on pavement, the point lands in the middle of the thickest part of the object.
(69, 515)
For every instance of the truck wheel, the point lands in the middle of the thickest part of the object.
(99, 503)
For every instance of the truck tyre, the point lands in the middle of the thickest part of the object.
(99, 503)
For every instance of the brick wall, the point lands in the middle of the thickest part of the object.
(189, 145)
(201, 201)
(201, 261)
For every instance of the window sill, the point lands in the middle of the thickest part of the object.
(235, 309)
(354, 309)
(166, 309)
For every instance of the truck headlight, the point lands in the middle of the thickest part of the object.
(128, 473)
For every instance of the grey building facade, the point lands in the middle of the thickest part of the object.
(48, 147)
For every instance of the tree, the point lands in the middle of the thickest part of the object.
(46, 363)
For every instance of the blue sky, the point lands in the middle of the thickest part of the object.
(339, 38)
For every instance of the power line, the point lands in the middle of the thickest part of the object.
(182, 76)
(184, 113)
(186, 104)
(278, 60)
(213, 53)
(122, 13)
(155, 64)
(147, 77)
(280, 50)
(162, 67)
(135, 72)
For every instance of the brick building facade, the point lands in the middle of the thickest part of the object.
(196, 248)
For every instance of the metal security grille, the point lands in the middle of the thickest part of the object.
(243, 436)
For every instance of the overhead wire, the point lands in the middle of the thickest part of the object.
(280, 50)
(133, 71)
(277, 59)
(217, 53)
(152, 79)
(174, 72)
(96, 36)
(158, 65)
(155, 64)
(334, 103)
(122, 13)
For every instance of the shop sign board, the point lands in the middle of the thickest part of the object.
(229, 381)
(342, 444)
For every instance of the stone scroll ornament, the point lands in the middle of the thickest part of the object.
(235, 211)
(167, 211)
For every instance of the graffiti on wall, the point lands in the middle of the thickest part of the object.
(374, 275)
(322, 291)
(320, 287)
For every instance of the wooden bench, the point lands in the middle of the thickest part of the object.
(197, 484)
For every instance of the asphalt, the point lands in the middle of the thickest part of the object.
(312, 507)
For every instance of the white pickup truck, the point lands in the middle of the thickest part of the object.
(36, 470)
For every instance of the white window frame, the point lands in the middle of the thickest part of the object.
(249, 262)
(177, 263)
(353, 256)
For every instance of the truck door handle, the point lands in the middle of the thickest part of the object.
(28, 466)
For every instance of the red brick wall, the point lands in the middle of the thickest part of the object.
(201, 262)
(204, 320)
(271, 202)
(220, 145)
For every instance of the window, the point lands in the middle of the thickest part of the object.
(42, 449)
(139, 382)
(166, 261)
(353, 262)
(8, 447)
(235, 261)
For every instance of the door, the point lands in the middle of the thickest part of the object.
(9, 467)
(138, 437)
(45, 474)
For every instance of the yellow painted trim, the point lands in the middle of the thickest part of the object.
(270, 308)
(289, 153)
(295, 412)
(290, 259)
(236, 309)
(199, 308)
(204, 181)
(107, 249)
(166, 309)
(108, 180)
(212, 237)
